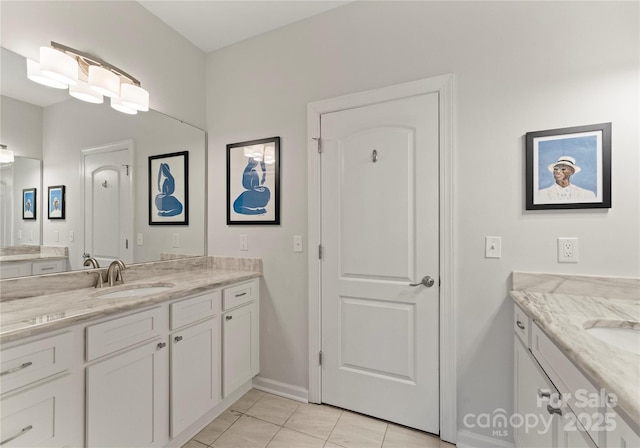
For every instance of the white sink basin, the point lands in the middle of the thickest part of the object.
(626, 338)
(135, 291)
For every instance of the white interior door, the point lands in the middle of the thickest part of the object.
(107, 201)
(379, 234)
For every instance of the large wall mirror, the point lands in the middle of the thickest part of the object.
(101, 156)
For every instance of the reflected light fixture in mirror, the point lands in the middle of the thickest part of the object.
(6, 155)
(88, 78)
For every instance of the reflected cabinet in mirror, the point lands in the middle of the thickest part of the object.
(100, 157)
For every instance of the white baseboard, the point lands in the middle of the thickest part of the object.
(285, 390)
(468, 439)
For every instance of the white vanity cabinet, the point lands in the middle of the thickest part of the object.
(10, 269)
(532, 390)
(126, 387)
(547, 383)
(195, 359)
(38, 405)
(240, 335)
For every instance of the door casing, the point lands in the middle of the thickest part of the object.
(443, 85)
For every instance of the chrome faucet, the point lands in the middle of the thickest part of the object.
(114, 273)
(91, 261)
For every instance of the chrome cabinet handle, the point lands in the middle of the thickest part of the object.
(178, 338)
(161, 345)
(520, 325)
(552, 410)
(240, 295)
(15, 369)
(544, 393)
(228, 317)
(23, 431)
(426, 281)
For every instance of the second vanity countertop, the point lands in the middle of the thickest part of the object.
(25, 317)
(564, 319)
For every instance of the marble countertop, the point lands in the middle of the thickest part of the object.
(564, 315)
(33, 315)
(30, 257)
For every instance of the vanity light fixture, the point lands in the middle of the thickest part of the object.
(88, 78)
(6, 155)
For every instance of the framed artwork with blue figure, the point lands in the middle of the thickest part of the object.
(57, 202)
(569, 168)
(169, 189)
(29, 203)
(253, 182)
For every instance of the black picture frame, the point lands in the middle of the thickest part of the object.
(29, 203)
(569, 168)
(253, 182)
(57, 202)
(169, 189)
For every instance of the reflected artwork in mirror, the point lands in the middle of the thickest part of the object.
(52, 130)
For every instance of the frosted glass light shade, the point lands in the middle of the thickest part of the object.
(83, 92)
(258, 152)
(116, 103)
(58, 66)
(134, 97)
(104, 81)
(35, 75)
(6, 156)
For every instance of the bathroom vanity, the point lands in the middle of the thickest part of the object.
(147, 363)
(20, 261)
(571, 388)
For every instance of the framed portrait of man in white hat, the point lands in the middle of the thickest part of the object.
(569, 168)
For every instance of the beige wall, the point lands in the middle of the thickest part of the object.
(519, 67)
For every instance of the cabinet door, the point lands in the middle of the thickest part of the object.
(530, 387)
(42, 416)
(195, 373)
(127, 398)
(240, 350)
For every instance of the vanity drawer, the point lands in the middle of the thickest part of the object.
(581, 396)
(117, 334)
(48, 267)
(27, 363)
(240, 294)
(194, 309)
(522, 325)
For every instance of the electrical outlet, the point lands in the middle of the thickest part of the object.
(72, 236)
(568, 250)
(244, 242)
(493, 247)
(176, 240)
(19, 235)
(56, 236)
(140, 239)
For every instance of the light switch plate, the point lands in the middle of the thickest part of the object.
(493, 247)
(175, 239)
(140, 239)
(297, 243)
(72, 236)
(244, 242)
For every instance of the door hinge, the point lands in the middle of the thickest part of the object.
(320, 357)
(317, 139)
(127, 168)
(126, 243)
(319, 251)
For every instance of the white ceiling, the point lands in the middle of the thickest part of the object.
(213, 24)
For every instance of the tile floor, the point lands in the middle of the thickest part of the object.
(262, 420)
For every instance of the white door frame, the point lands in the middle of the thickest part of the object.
(443, 85)
(111, 147)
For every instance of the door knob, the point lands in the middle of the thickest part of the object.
(426, 281)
